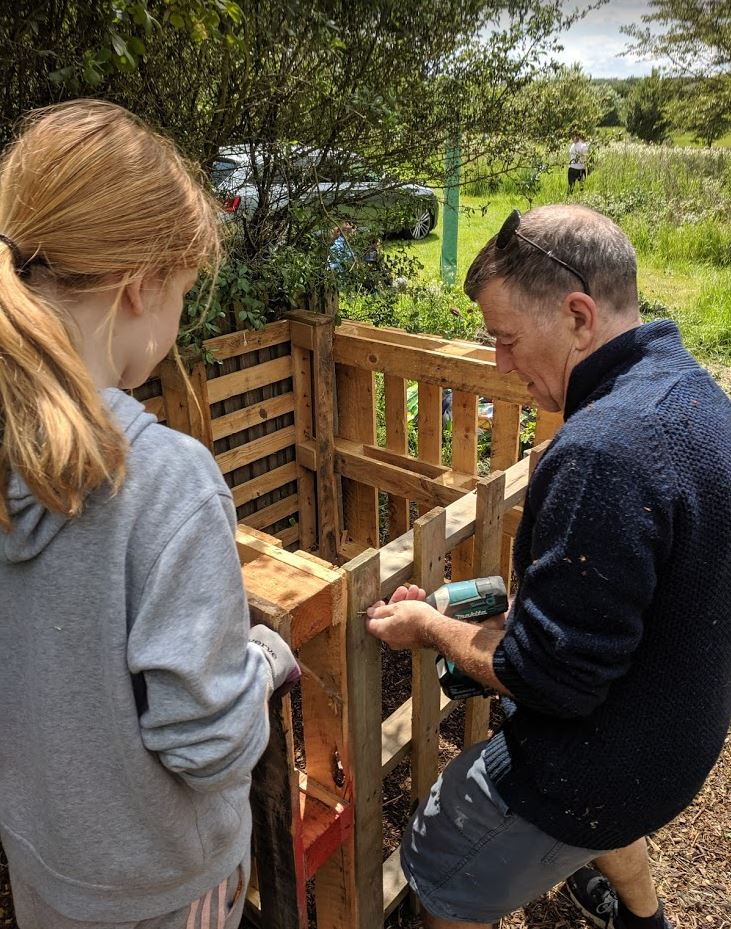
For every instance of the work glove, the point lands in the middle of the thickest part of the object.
(282, 663)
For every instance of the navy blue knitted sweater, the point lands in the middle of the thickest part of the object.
(618, 648)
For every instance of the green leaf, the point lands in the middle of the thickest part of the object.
(119, 45)
(177, 20)
(62, 75)
(234, 12)
(92, 72)
(136, 46)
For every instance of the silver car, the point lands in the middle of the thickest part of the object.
(339, 183)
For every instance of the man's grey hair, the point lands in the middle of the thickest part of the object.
(583, 238)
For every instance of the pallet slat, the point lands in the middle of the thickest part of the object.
(239, 382)
(243, 493)
(266, 517)
(364, 714)
(156, 406)
(239, 343)
(259, 448)
(352, 462)
(429, 533)
(469, 374)
(357, 422)
(254, 415)
(396, 732)
(397, 440)
(464, 458)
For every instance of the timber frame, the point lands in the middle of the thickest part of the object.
(290, 414)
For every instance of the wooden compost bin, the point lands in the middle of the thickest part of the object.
(290, 414)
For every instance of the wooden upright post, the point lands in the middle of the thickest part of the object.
(464, 458)
(325, 716)
(430, 426)
(547, 425)
(186, 404)
(488, 545)
(277, 838)
(305, 431)
(504, 452)
(357, 421)
(397, 440)
(429, 533)
(315, 332)
(364, 756)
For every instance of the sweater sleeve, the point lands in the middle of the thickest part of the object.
(206, 687)
(600, 534)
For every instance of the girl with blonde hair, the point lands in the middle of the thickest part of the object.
(133, 694)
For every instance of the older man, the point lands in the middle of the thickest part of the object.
(615, 662)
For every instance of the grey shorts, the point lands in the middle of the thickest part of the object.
(469, 857)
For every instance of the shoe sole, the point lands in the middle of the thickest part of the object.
(587, 914)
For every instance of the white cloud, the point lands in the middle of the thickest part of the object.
(598, 44)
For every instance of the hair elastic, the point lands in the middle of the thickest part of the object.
(14, 250)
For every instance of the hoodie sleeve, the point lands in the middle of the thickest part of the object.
(207, 688)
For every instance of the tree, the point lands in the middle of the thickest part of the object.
(694, 36)
(703, 108)
(369, 86)
(568, 100)
(647, 109)
(613, 106)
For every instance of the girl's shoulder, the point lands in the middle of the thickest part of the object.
(160, 458)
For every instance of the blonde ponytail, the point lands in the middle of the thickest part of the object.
(54, 428)
(89, 197)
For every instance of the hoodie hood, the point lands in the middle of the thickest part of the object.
(33, 526)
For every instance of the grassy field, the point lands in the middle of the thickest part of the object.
(675, 205)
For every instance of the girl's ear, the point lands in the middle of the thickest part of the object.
(132, 297)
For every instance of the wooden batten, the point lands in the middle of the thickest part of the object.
(268, 516)
(357, 421)
(396, 441)
(463, 372)
(239, 382)
(357, 463)
(259, 486)
(254, 415)
(464, 458)
(239, 343)
(258, 448)
(429, 535)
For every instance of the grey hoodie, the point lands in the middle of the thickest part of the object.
(132, 708)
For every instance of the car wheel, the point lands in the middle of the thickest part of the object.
(422, 225)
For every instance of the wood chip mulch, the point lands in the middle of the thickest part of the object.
(691, 858)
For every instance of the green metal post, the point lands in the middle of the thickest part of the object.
(450, 218)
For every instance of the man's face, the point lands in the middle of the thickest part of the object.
(539, 349)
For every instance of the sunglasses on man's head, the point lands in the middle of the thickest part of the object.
(510, 228)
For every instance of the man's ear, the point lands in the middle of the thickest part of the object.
(132, 297)
(581, 314)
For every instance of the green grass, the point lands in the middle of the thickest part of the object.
(688, 139)
(676, 208)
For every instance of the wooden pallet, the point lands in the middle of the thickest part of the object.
(303, 821)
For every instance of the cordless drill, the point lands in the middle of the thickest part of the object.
(472, 601)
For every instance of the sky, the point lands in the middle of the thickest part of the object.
(597, 43)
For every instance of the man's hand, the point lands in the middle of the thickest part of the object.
(404, 621)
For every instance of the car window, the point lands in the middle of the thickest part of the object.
(222, 169)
